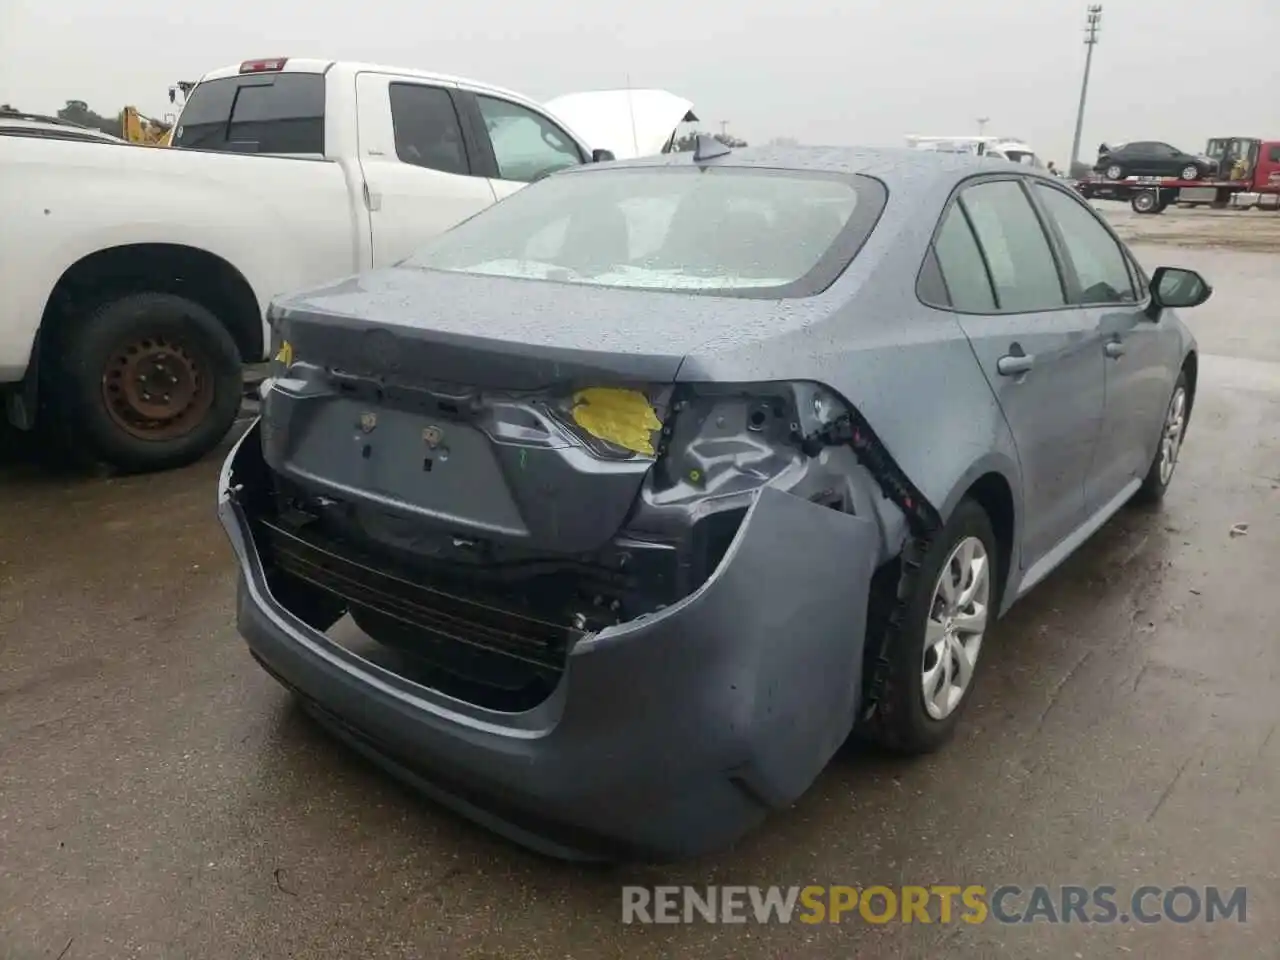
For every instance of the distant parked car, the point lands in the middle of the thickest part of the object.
(1149, 158)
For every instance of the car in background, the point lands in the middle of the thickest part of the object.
(649, 484)
(1151, 158)
(20, 124)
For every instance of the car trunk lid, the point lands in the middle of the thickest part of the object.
(437, 408)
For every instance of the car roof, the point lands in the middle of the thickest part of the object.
(17, 122)
(892, 165)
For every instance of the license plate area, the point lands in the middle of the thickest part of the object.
(445, 469)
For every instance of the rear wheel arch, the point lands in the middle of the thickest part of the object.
(200, 276)
(197, 300)
(991, 484)
(992, 492)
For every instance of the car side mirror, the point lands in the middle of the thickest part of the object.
(602, 156)
(1177, 287)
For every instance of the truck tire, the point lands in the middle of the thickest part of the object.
(146, 382)
(1146, 201)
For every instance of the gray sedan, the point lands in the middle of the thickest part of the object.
(649, 485)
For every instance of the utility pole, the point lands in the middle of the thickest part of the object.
(724, 128)
(982, 124)
(1093, 19)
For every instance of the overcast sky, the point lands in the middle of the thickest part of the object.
(822, 71)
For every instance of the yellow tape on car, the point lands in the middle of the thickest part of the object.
(624, 418)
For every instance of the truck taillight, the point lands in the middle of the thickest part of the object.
(263, 66)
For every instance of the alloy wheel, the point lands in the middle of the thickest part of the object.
(1175, 422)
(956, 625)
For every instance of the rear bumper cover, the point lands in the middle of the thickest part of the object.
(668, 736)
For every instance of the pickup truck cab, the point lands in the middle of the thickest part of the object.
(136, 280)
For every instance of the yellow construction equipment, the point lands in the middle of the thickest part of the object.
(137, 128)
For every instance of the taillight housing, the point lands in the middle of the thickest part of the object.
(724, 437)
(270, 65)
(615, 422)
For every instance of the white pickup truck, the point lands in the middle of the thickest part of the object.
(134, 280)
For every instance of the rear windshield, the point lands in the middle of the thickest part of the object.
(255, 113)
(722, 230)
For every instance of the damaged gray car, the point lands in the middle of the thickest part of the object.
(645, 487)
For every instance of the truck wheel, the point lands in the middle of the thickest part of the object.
(1145, 202)
(148, 381)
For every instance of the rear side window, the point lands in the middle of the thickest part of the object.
(427, 130)
(1017, 252)
(261, 113)
(1273, 153)
(960, 262)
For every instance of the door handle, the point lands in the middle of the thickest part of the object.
(1114, 348)
(1013, 364)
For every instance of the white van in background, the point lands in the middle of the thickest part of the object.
(1007, 148)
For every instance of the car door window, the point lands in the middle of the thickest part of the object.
(1023, 270)
(427, 130)
(526, 145)
(961, 265)
(1098, 260)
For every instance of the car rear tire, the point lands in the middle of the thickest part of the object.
(1190, 172)
(146, 382)
(1115, 172)
(1173, 430)
(932, 667)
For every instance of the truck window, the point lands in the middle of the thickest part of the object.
(526, 145)
(427, 130)
(1273, 153)
(262, 113)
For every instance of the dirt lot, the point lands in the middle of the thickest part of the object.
(1257, 230)
(161, 797)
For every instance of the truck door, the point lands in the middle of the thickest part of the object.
(1267, 171)
(416, 164)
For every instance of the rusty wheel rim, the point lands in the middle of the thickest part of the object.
(154, 389)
